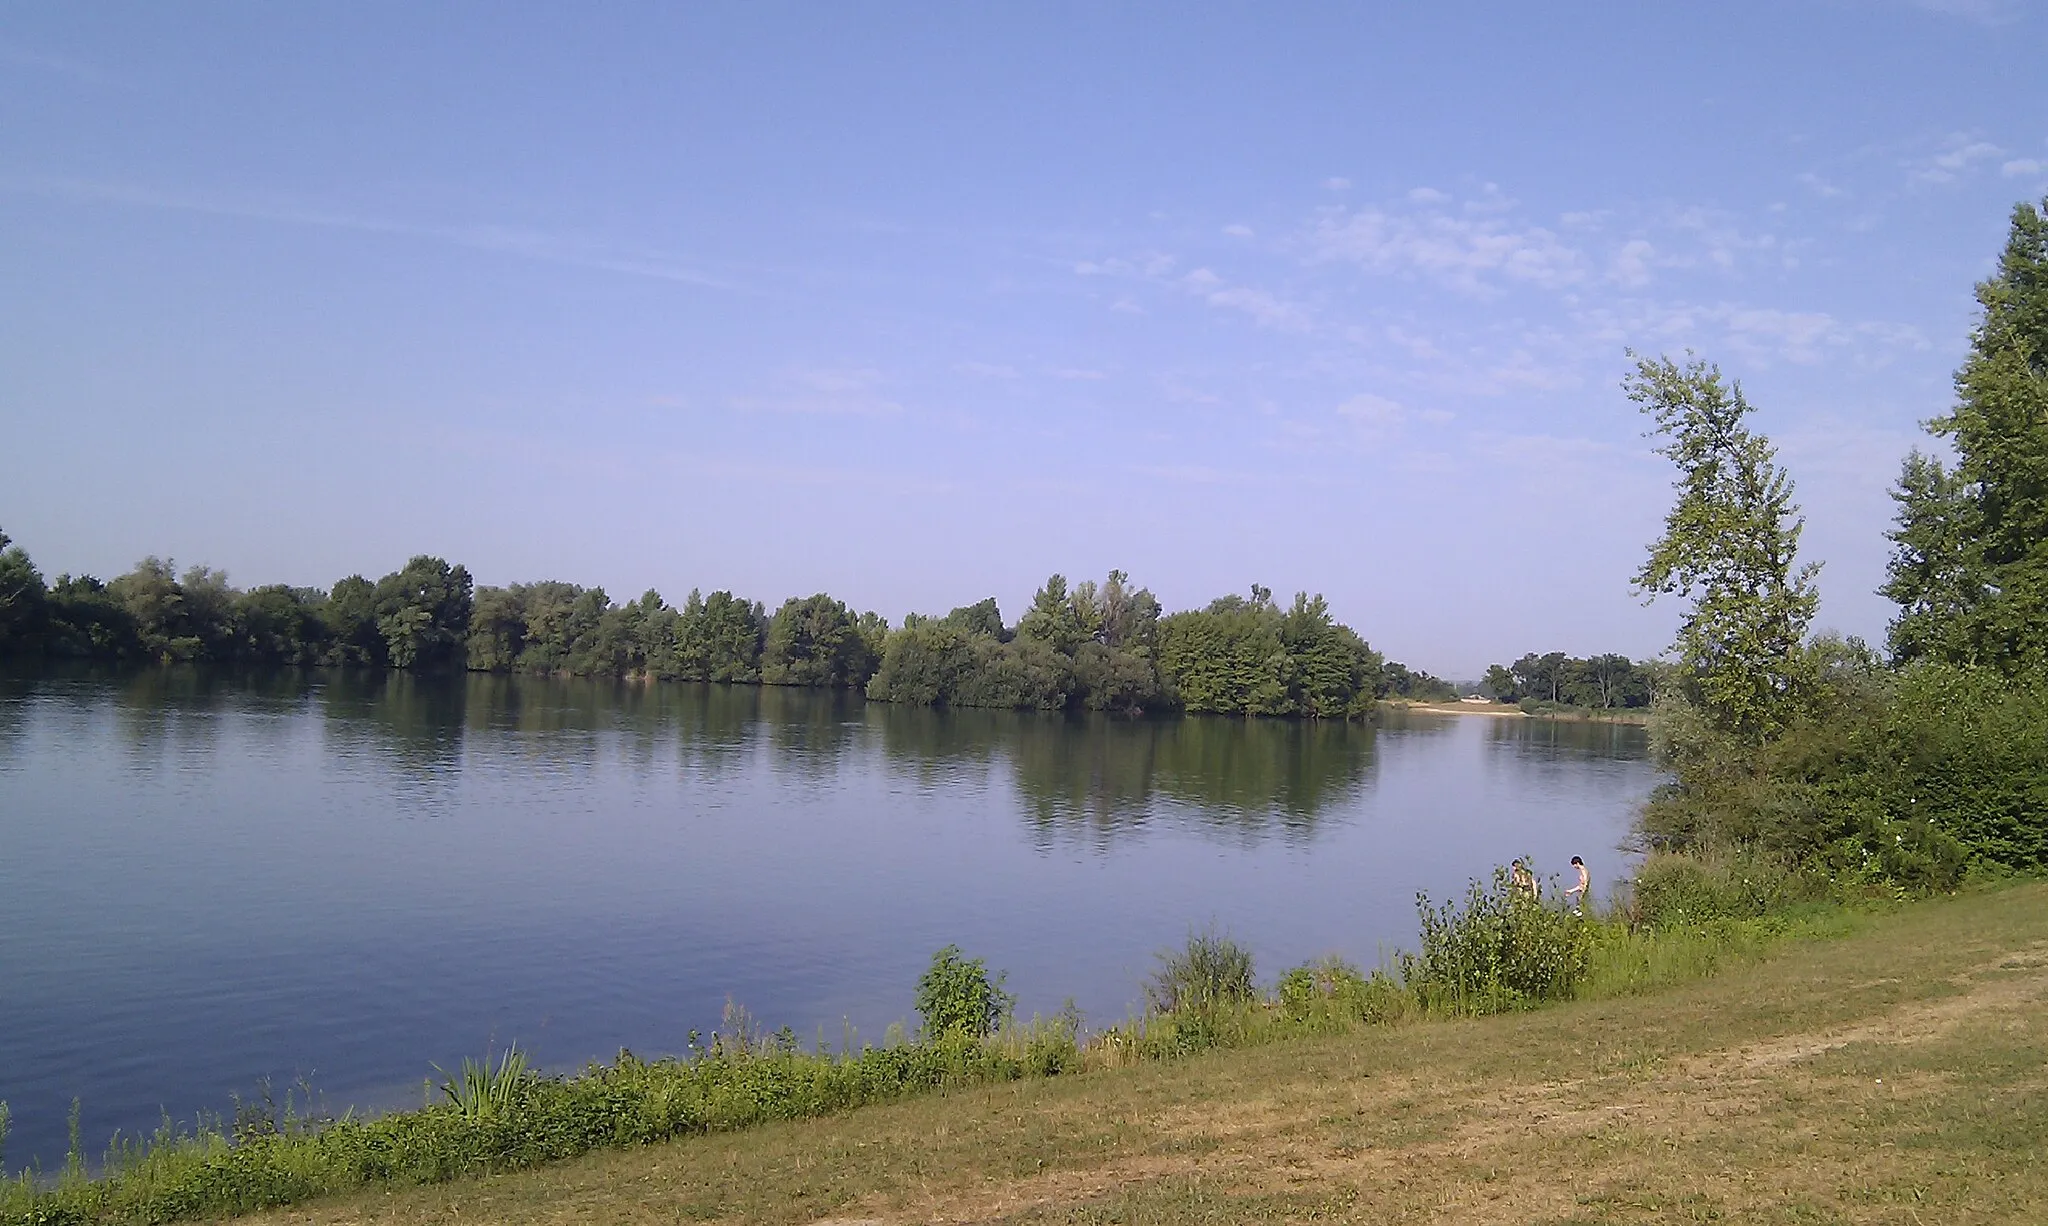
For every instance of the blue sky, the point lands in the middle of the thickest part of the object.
(916, 304)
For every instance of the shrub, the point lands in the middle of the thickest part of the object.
(1503, 949)
(1210, 970)
(956, 996)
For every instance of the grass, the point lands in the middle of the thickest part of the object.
(1633, 1103)
(1893, 1075)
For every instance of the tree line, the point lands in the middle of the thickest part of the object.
(1089, 646)
(1605, 682)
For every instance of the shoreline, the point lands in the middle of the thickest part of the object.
(1634, 716)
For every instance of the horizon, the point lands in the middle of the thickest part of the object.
(915, 309)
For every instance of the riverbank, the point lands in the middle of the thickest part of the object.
(505, 1120)
(1507, 710)
(1893, 1074)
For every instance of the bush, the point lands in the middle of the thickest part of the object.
(1210, 970)
(1503, 949)
(1673, 890)
(1333, 988)
(956, 996)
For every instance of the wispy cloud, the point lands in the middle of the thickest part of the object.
(986, 370)
(14, 55)
(2019, 167)
(573, 251)
(1472, 250)
(826, 393)
(1959, 155)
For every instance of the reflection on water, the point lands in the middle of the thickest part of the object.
(207, 877)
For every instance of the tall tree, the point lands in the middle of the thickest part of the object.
(21, 600)
(1728, 546)
(1970, 564)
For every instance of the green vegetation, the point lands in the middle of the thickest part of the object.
(1889, 1074)
(956, 997)
(1813, 760)
(1500, 950)
(1555, 680)
(1092, 647)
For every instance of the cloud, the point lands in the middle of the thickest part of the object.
(1268, 309)
(1376, 416)
(986, 370)
(1337, 184)
(1472, 254)
(1961, 153)
(1631, 265)
(1428, 195)
(1238, 230)
(2022, 166)
(825, 393)
(537, 245)
(1756, 334)
(1075, 373)
(1819, 186)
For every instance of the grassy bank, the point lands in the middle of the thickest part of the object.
(1894, 1075)
(1491, 952)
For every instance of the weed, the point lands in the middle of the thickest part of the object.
(1210, 970)
(955, 996)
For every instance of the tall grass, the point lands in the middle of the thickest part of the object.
(1496, 949)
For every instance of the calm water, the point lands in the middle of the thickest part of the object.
(206, 880)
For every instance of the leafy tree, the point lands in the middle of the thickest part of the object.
(982, 617)
(497, 629)
(719, 638)
(22, 601)
(1229, 657)
(277, 624)
(816, 641)
(423, 613)
(352, 616)
(1056, 618)
(1969, 566)
(1728, 546)
(1331, 673)
(155, 601)
(86, 620)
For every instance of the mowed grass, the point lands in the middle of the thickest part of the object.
(1897, 1074)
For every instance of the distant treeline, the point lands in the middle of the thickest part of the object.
(1104, 647)
(1605, 682)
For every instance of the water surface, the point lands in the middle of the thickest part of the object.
(209, 879)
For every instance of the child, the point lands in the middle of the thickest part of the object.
(1575, 894)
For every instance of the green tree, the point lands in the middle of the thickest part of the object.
(281, 625)
(982, 617)
(153, 598)
(816, 641)
(1055, 619)
(23, 610)
(352, 617)
(1228, 658)
(423, 614)
(1970, 560)
(497, 629)
(1728, 546)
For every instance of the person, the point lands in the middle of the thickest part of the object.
(1522, 880)
(1575, 894)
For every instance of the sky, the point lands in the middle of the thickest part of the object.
(917, 304)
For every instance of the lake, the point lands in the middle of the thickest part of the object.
(209, 879)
